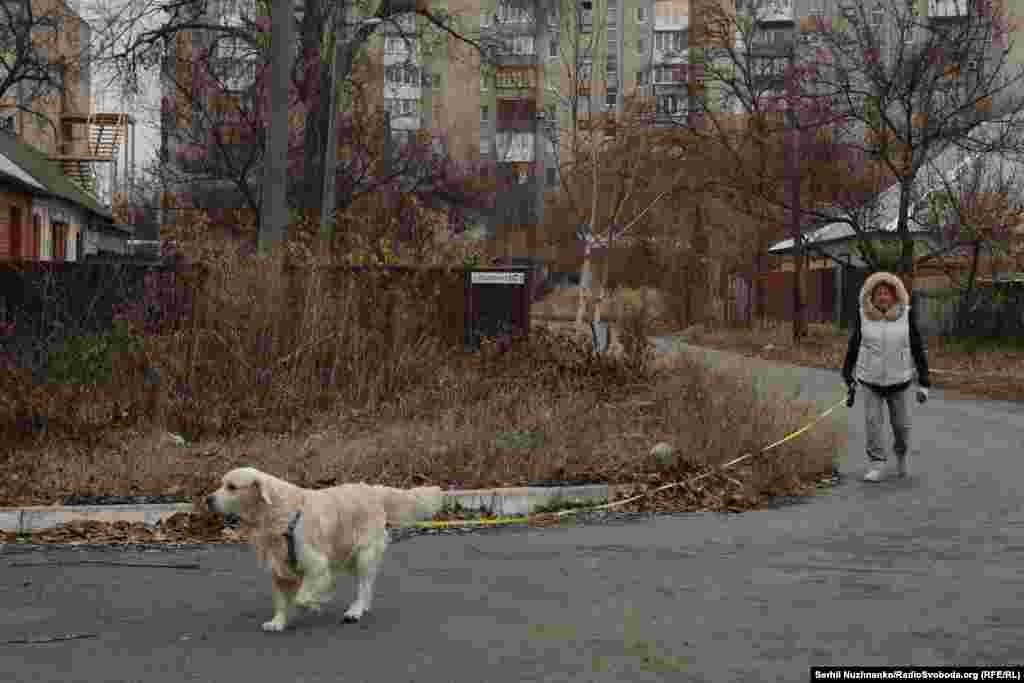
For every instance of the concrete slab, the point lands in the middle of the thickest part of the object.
(504, 502)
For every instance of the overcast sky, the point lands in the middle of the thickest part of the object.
(108, 98)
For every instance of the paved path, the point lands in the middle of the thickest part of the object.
(927, 571)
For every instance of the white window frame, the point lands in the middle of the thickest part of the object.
(395, 45)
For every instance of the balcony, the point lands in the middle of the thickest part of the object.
(671, 16)
(767, 11)
(514, 147)
(670, 56)
(947, 9)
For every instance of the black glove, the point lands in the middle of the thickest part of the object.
(851, 393)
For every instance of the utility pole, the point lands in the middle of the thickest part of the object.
(274, 205)
(794, 150)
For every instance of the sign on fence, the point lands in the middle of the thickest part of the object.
(498, 305)
(492, 278)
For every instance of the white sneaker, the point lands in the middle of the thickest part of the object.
(876, 473)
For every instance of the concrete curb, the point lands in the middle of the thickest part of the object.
(503, 502)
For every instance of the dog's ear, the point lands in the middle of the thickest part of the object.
(264, 485)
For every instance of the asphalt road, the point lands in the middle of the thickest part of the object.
(925, 571)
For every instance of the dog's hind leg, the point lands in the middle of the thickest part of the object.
(284, 598)
(318, 579)
(367, 564)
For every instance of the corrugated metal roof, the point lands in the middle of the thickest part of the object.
(11, 169)
(949, 163)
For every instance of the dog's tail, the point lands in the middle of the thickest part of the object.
(409, 505)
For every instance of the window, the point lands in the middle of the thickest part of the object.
(60, 240)
(405, 75)
(402, 106)
(669, 41)
(515, 78)
(485, 18)
(641, 46)
(512, 14)
(483, 82)
(641, 15)
(485, 114)
(395, 45)
(522, 45)
(234, 63)
(485, 145)
(641, 78)
(37, 236)
(236, 12)
(551, 176)
(816, 7)
(553, 46)
(611, 97)
(667, 74)
(671, 104)
(14, 230)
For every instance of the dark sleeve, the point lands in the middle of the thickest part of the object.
(917, 350)
(852, 350)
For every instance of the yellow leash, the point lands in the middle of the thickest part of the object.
(617, 503)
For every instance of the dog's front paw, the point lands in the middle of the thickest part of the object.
(352, 616)
(275, 625)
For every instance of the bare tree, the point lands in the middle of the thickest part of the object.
(42, 55)
(891, 89)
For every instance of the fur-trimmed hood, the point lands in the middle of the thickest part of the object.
(867, 306)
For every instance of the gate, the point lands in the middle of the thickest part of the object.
(498, 304)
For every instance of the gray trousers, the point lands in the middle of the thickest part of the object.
(899, 418)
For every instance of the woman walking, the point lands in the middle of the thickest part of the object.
(885, 349)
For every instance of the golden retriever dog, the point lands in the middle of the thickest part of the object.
(308, 537)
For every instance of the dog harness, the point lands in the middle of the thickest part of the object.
(289, 536)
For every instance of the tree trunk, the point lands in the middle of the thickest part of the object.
(906, 243)
(698, 286)
(274, 218)
(587, 291)
(316, 121)
(799, 321)
(965, 301)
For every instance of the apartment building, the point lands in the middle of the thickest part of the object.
(83, 141)
(53, 144)
(550, 69)
(785, 30)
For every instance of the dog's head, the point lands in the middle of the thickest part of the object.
(242, 492)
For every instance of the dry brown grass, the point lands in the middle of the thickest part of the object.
(960, 368)
(399, 408)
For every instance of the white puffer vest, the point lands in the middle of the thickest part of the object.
(885, 358)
